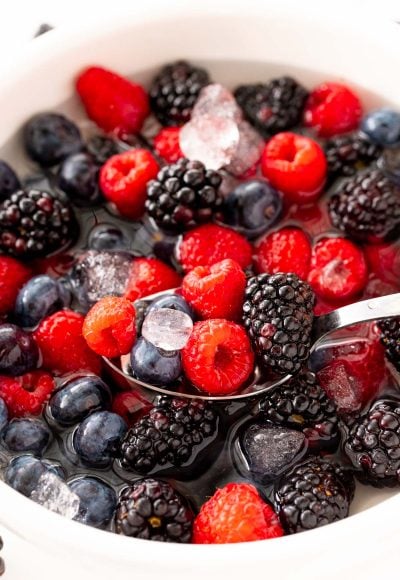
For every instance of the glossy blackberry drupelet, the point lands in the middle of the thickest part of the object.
(170, 434)
(183, 195)
(35, 223)
(346, 154)
(390, 338)
(278, 316)
(302, 404)
(313, 494)
(274, 106)
(9, 181)
(153, 510)
(373, 444)
(174, 92)
(367, 207)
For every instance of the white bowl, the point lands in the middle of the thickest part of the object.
(240, 42)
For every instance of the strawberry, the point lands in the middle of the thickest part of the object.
(287, 250)
(148, 276)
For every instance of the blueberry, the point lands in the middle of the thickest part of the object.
(22, 435)
(9, 182)
(102, 148)
(40, 297)
(3, 414)
(24, 472)
(97, 438)
(78, 398)
(78, 178)
(49, 138)
(154, 366)
(382, 127)
(107, 237)
(18, 351)
(389, 163)
(252, 207)
(173, 301)
(98, 501)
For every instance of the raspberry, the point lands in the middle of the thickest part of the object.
(63, 348)
(148, 276)
(332, 108)
(26, 394)
(166, 144)
(235, 513)
(216, 291)
(13, 276)
(295, 165)
(218, 358)
(109, 327)
(209, 244)
(113, 102)
(123, 179)
(384, 261)
(287, 250)
(338, 270)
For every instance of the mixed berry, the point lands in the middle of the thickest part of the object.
(250, 212)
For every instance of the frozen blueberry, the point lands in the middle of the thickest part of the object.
(23, 435)
(78, 178)
(24, 472)
(40, 297)
(97, 438)
(382, 127)
(49, 138)
(3, 414)
(252, 207)
(19, 353)
(9, 182)
(153, 365)
(173, 301)
(98, 501)
(107, 237)
(78, 398)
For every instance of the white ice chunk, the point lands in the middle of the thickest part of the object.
(216, 101)
(167, 329)
(52, 493)
(248, 151)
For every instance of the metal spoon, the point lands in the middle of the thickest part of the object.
(364, 311)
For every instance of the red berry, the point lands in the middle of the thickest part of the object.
(235, 513)
(338, 269)
(209, 244)
(332, 108)
(295, 165)
(63, 348)
(287, 250)
(148, 276)
(384, 261)
(166, 144)
(26, 395)
(109, 327)
(218, 358)
(216, 291)
(113, 102)
(13, 276)
(123, 179)
(130, 406)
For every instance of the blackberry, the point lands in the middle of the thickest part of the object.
(373, 444)
(278, 315)
(302, 404)
(183, 195)
(35, 223)
(367, 207)
(174, 92)
(153, 510)
(313, 494)
(172, 433)
(346, 154)
(272, 107)
(390, 338)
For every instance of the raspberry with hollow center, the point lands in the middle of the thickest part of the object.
(295, 165)
(216, 291)
(148, 276)
(13, 276)
(166, 144)
(235, 513)
(109, 327)
(287, 250)
(26, 394)
(218, 358)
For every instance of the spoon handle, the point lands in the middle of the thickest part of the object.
(364, 311)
